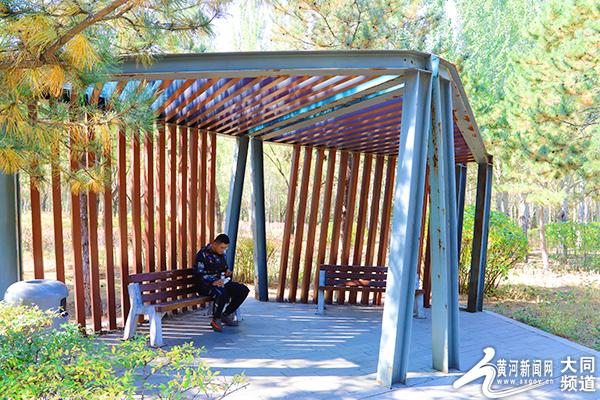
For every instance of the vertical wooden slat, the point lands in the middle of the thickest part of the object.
(36, 229)
(182, 215)
(312, 226)
(212, 185)
(423, 223)
(122, 190)
(161, 224)
(94, 262)
(77, 256)
(172, 191)
(193, 200)
(59, 247)
(361, 221)
(300, 224)
(386, 216)
(325, 218)
(351, 197)
(374, 219)
(337, 217)
(149, 202)
(111, 304)
(136, 203)
(287, 229)
(202, 190)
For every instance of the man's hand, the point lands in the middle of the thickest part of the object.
(228, 273)
(219, 283)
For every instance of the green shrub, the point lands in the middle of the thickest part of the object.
(574, 243)
(244, 259)
(37, 362)
(507, 245)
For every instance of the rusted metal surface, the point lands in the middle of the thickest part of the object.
(36, 229)
(202, 223)
(287, 229)
(212, 186)
(136, 204)
(312, 226)
(337, 217)
(94, 261)
(149, 194)
(193, 198)
(59, 247)
(327, 194)
(76, 241)
(182, 198)
(172, 196)
(300, 220)
(161, 191)
(111, 303)
(350, 210)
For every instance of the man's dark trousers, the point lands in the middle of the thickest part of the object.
(221, 295)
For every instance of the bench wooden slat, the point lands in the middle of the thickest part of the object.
(367, 276)
(168, 294)
(345, 283)
(161, 285)
(353, 288)
(160, 275)
(172, 305)
(353, 268)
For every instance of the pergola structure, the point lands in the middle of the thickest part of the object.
(403, 108)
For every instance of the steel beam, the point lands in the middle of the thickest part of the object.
(480, 233)
(408, 206)
(443, 225)
(461, 187)
(234, 203)
(259, 220)
(10, 264)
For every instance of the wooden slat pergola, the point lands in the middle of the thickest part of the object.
(406, 112)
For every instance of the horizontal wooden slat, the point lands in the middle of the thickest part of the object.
(345, 275)
(166, 294)
(345, 283)
(160, 275)
(188, 302)
(351, 268)
(161, 285)
(354, 288)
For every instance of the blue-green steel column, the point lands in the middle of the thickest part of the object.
(258, 220)
(406, 226)
(10, 263)
(461, 186)
(234, 202)
(444, 256)
(486, 230)
(452, 221)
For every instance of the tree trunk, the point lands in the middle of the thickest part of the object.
(543, 248)
(85, 252)
(524, 218)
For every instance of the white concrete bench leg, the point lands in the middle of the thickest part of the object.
(156, 328)
(321, 294)
(136, 308)
(418, 306)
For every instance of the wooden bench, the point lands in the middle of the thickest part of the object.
(357, 278)
(156, 293)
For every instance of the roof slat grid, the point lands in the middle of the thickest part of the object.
(343, 110)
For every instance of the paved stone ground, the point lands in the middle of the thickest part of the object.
(288, 352)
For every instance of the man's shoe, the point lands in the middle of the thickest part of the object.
(227, 320)
(216, 326)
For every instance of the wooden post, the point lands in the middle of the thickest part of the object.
(149, 202)
(122, 188)
(287, 230)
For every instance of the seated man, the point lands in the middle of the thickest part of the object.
(212, 279)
